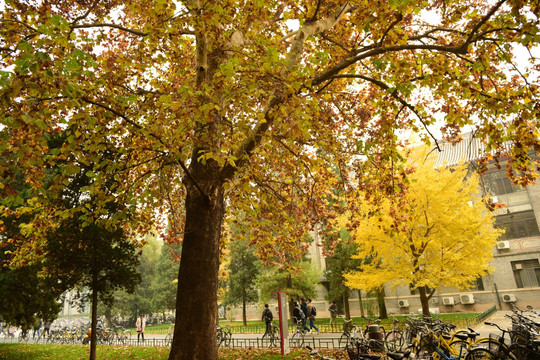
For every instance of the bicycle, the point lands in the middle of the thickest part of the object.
(394, 339)
(346, 339)
(271, 336)
(224, 336)
(120, 335)
(23, 336)
(170, 334)
(297, 340)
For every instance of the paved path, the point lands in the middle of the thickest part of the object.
(500, 318)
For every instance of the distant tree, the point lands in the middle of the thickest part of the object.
(244, 268)
(338, 264)
(142, 299)
(440, 233)
(298, 281)
(165, 282)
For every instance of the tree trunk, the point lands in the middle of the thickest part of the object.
(93, 324)
(196, 306)
(360, 303)
(383, 314)
(346, 305)
(244, 313)
(424, 301)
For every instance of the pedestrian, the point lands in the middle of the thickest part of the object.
(267, 317)
(36, 329)
(333, 315)
(305, 309)
(312, 313)
(47, 327)
(298, 315)
(140, 325)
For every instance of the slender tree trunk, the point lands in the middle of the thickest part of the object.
(346, 305)
(360, 303)
(244, 314)
(424, 301)
(93, 324)
(383, 314)
(196, 306)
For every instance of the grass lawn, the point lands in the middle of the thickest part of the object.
(78, 352)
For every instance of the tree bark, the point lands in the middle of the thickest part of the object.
(383, 314)
(93, 324)
(244, 312)
(360, 303)
(346, 305)
(196, 306)
(424, 301)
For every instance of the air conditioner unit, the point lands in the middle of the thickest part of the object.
(509, 298)
(448, 301)
(466, 299)
(403, 303)
(503, 245)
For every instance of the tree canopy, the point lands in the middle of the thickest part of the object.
(226, 107)
(445, 236)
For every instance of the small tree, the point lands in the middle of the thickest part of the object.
(297, 282)
(244, 268)
(439, 234)
(165, 283)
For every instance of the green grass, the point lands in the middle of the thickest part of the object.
(78, 352)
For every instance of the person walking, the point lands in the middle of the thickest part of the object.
(47, 327)
(140, 325)
(305, 310)
(37, 327)
(312, 313)
(267, 317)
(333, 315)
(298, 315)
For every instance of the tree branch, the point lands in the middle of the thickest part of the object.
(394, 94)
(134, 32)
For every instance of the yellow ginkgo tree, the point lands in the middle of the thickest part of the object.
(439, 233)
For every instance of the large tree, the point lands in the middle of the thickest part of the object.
(445, 236)
(242, 103)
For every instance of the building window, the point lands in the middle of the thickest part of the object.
(478, 284)
(518, 225)
(526, 273)
(498, 183)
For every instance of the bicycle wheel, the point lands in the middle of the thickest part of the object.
(266, 340)
(480, 354)
(168, 340)
(297, 340)
(455, 348)
(227, 338)
(126, 335)
(522, 352)
(274, 339)
(394, 341)
(344, 341)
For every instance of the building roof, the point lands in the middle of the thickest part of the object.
(470, 149)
